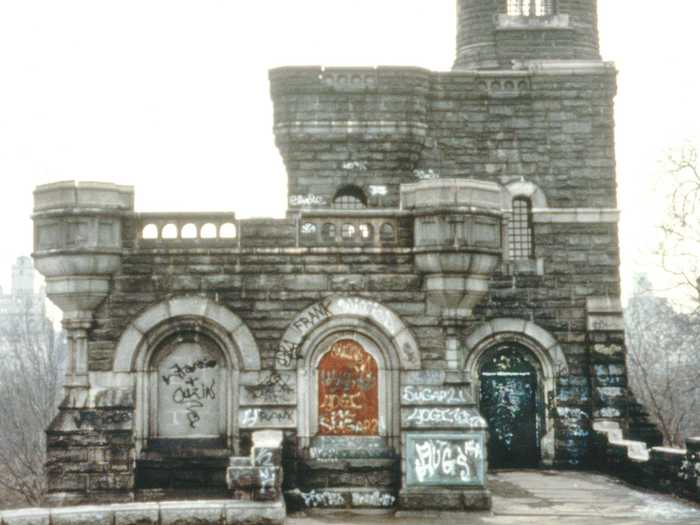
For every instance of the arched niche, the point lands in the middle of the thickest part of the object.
(162, 333)
(368, 324)
(541, 349)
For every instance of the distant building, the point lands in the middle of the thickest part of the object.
(24, 302)
(444, 289)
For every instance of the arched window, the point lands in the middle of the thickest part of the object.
(531, 7)
(350, 198)
(520, 229)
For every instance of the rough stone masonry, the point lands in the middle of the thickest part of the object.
(443, 294)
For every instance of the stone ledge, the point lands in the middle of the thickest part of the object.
(214, 512)
(506, 22)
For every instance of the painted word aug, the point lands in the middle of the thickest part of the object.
(438, 459)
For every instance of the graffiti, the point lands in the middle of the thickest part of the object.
(440, 461)
(357, 166)
(311, 317)
(268, 479)
(444, 416)
(307, 200)
(323, 499)
(442, 395)
(378, 191)
(271, 388)
(189, 388)
(98, 421)
(373, 499)
(348, 396)
(426, 174)
(263, 457)
(254, 417)
(287, 353)
(608, 349)
(183, 371)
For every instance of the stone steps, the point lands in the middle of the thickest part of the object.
(343, 498)
(180, 469)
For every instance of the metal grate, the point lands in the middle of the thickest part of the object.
(531, 7)
(520, 229)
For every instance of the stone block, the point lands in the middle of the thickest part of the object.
(137, 514)
(191, 513)
(82, 516)
(26, 517)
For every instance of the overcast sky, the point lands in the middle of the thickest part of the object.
(172, 96)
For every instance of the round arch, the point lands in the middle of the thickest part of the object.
(376, 328)
(232, 334)
(546, 351)
(143, 339)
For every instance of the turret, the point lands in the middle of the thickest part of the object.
(497, 34)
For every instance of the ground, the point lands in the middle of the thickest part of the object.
(548, 497)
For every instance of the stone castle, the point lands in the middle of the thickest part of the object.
(442, 296)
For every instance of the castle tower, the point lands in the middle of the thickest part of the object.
(23, 277)
(504, 33)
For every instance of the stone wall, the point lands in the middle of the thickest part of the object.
(551, 125)
(672, 470)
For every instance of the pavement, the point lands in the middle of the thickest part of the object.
(544, 497)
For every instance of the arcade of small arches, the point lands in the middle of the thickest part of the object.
(187, 357)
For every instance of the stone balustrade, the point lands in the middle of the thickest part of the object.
(355, 228)
(185, 227)
(665, 469)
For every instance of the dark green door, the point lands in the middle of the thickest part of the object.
(508, 402)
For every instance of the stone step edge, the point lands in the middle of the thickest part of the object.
(204, 512)
(344, 498)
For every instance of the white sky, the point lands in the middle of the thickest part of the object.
(172, 96)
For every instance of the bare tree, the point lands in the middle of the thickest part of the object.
(32, 358)
(680, 246)
(664, 362)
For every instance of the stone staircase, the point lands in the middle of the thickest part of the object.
(192, 470)
(359, 473)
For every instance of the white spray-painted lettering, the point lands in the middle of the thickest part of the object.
(323, 499)
(439, 460)
(415, 394)
(372, 499)
(355, 165)
(426, 174)
(445, 416)
(307, 200)
(378, 191)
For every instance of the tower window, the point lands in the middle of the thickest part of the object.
(520, 230)
(350, 198)
(531, 7)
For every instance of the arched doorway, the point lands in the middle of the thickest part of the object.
(348, 391)
(189, 380)
(511, 401)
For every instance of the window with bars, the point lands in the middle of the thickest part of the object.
(350, 198)
(520, 230)
(531, 7)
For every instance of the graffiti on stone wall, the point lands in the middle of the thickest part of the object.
(442, 395)
(373, 499)
(270, 388)
(445, 459)
(267, 418)
(188, 392)
(191, 392)
(102, 420)
(348, 393)
(323, 499)
(307, 200)
(441, 417)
